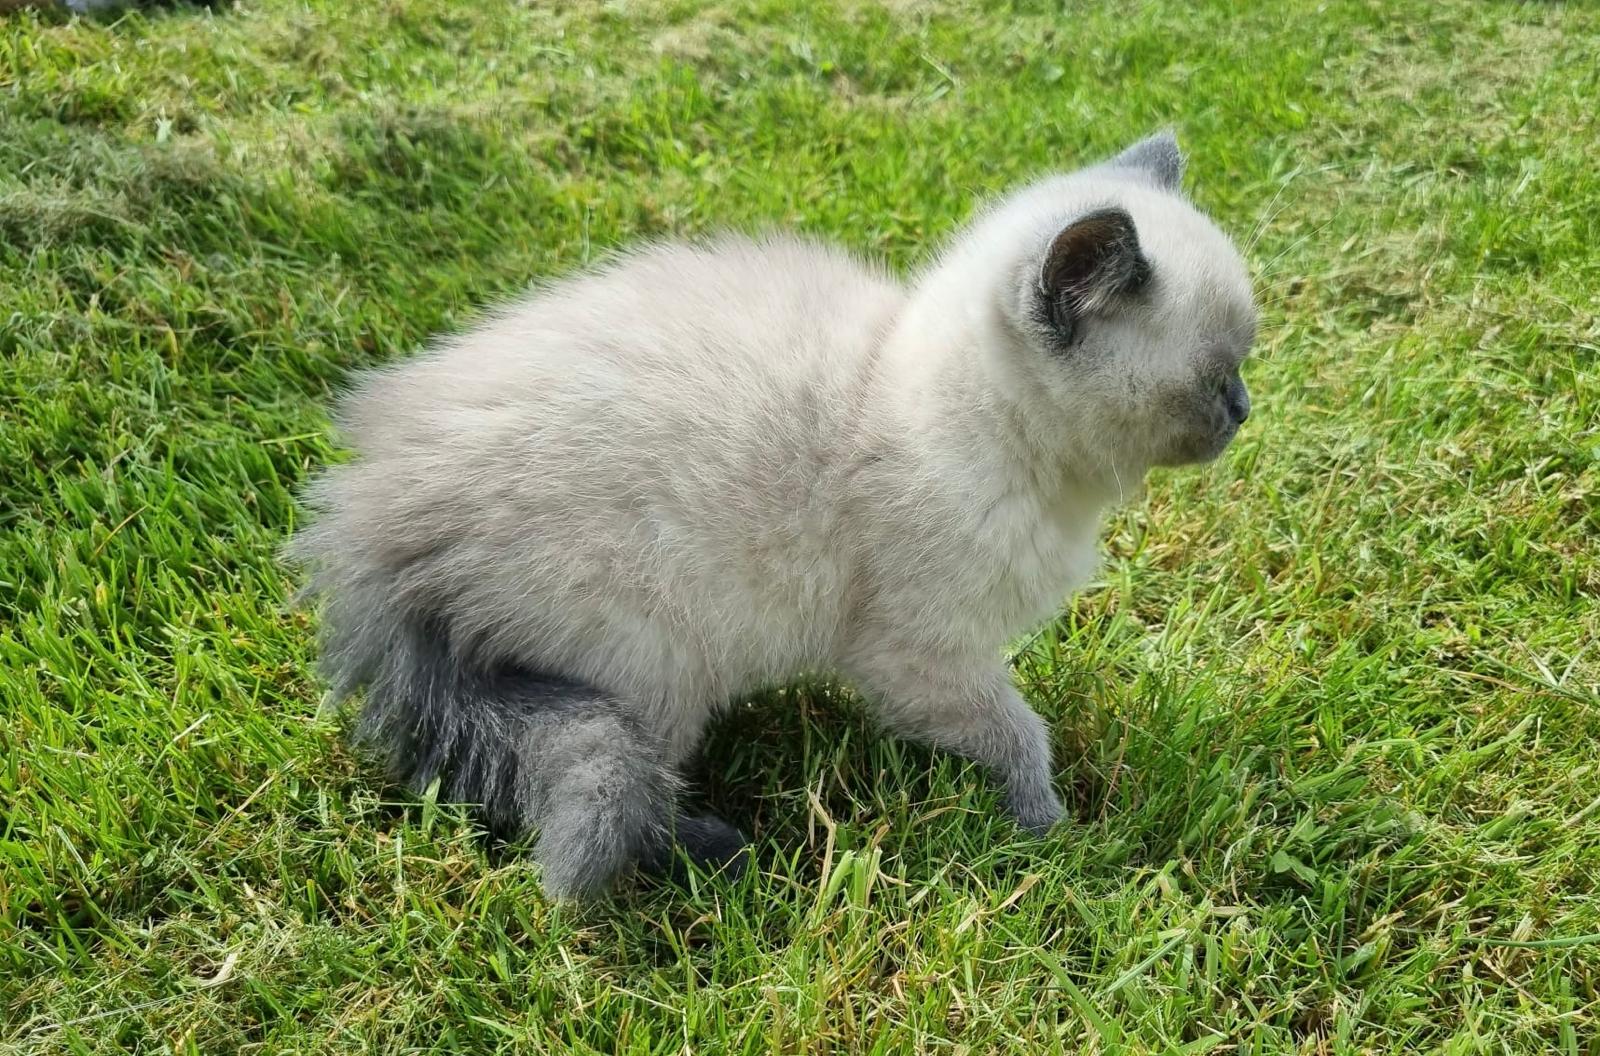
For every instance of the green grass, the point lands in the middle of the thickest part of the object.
(1328, 726)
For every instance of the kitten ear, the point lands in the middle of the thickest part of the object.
(1157, 156)
(1093, 260)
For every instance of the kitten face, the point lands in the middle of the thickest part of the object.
(1162, 358)
(1131, 311)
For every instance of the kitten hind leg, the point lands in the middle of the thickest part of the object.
(980, 716)
(537, 754)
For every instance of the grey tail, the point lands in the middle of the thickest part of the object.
(533, 751)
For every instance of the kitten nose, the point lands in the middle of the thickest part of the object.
(1238, 400)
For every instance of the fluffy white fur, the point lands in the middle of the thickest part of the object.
(706, 469)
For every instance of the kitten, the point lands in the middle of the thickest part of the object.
(575, 532)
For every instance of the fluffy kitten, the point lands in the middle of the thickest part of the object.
(574, 532)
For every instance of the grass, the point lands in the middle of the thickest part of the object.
(1328, 725)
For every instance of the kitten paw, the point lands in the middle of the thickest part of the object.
(709, 843)
(713, 844)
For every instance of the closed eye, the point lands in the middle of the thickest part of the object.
(1236, 343)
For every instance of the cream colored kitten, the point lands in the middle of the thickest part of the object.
(573, 533)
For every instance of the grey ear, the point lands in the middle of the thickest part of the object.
(1157, 156)
(1093, 261)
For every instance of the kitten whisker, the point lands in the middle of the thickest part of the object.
(1266, 269)
(1270, 213)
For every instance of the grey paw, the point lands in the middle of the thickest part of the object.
(713, 844)
(707, 841)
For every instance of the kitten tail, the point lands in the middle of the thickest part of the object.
(536, 753)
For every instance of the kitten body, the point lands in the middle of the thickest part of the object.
(573, 533)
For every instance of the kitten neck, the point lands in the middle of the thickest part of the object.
(955, 388)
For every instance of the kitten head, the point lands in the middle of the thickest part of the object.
(1122, 315)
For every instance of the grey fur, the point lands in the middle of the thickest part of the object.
(534, 751)
(1158, 156)
(573, 533)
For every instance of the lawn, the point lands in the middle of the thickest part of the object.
(1328, 724)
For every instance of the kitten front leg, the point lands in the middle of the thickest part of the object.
(975, 713)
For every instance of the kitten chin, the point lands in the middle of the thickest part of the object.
(572, 534)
